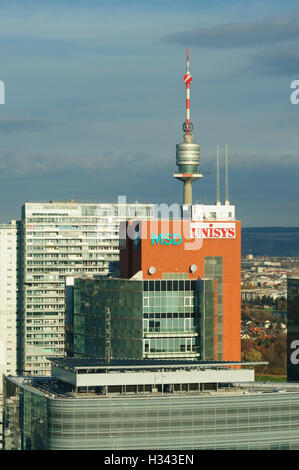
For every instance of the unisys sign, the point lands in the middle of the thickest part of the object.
(212, 230)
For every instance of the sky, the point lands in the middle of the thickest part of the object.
(95, 102)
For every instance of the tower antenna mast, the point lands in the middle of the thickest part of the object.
(226, 176)
(187, 153)
(218, 202)
(188, 125)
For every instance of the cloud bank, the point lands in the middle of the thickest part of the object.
(241, 34)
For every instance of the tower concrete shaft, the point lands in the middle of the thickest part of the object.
(188, 191)
(187, 153)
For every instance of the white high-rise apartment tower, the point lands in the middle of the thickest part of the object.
(61, 239)
(8, 298)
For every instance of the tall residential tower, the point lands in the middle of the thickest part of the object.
(8, 298)
(59, 239)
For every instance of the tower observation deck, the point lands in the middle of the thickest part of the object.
(187, 152)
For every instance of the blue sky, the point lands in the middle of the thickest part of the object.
(95, 102)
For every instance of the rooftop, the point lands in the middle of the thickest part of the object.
(50, 387)
(92, 363)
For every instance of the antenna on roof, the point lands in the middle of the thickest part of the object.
(226, 176)
(218, 202)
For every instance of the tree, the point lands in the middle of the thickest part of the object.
(253, 356)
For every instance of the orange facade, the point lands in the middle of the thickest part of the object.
(176, 246)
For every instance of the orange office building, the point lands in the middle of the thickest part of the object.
(202, 251)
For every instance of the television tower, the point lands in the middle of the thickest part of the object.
(187, 153)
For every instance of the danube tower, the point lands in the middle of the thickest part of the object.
(187, 153)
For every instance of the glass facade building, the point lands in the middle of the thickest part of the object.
(150, 319)
(213, 268)
(92, 298)
(36, 416)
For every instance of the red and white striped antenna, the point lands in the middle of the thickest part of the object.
(187, 152)
(188, 126)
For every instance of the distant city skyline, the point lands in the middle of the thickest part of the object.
(95, 102)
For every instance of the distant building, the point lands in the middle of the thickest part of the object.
(8, 298)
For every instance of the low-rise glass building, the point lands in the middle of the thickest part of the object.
(89, 404)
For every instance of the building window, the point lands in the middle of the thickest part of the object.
(188, 301)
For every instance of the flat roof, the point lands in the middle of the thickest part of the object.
(48, 386)
(91, 363)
